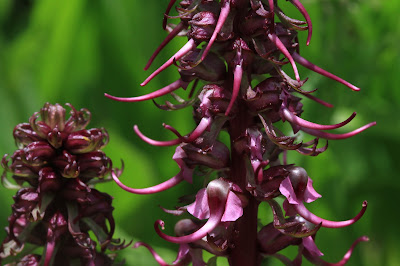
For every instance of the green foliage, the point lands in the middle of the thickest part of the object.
(74, 51)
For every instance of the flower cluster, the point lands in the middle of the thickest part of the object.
(56, 206)
(237, 50)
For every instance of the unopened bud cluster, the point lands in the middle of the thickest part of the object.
(55, 206)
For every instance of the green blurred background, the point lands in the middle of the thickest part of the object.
(74, 51)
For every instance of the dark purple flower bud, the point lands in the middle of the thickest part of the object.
(214, 101)
(75, 190)
(26, 200)
(67, 165)
(53, 116)
(253, 25)
(24, 134)
(202, 26)
(56, 137)
(94, 164)
(96, 203)
(78, 119)
(19, 167)
(265, 97)
(211, 69)
(40, 127)
(215, 157)
(268, 188)
(84, 141)
(38, 153)
(49, 180)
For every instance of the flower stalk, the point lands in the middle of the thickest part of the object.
(238, 51)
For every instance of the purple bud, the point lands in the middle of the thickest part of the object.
(67, 165)
(94, 164)
(48, 180)
(84, 141)
(202, 26)
(53, 115)
(24, 134)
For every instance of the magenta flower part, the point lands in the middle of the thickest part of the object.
(236, 61)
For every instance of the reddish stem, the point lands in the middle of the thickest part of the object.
(245, 250)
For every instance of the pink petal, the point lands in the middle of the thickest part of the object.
(309, 244)
(310, 194)
(233, 208)
(199, 208)
(286, 189)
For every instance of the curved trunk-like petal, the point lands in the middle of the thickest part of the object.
(304, 12)
(167, 39)
(150, 190)
(210, 225)
(275, 39)
(318, 261)
(169, 7)
(167, 89)
(326, 135)
(220, 23)
(315, 99)
(312, 218)
(304, 62)
(289, 116)
(197, 132)
(184, 50)
(217, 192)
(181, 256)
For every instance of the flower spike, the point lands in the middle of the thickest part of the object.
(184, 50)
(167, 89)
(241, 89)
(225, 9)
(304, 62)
